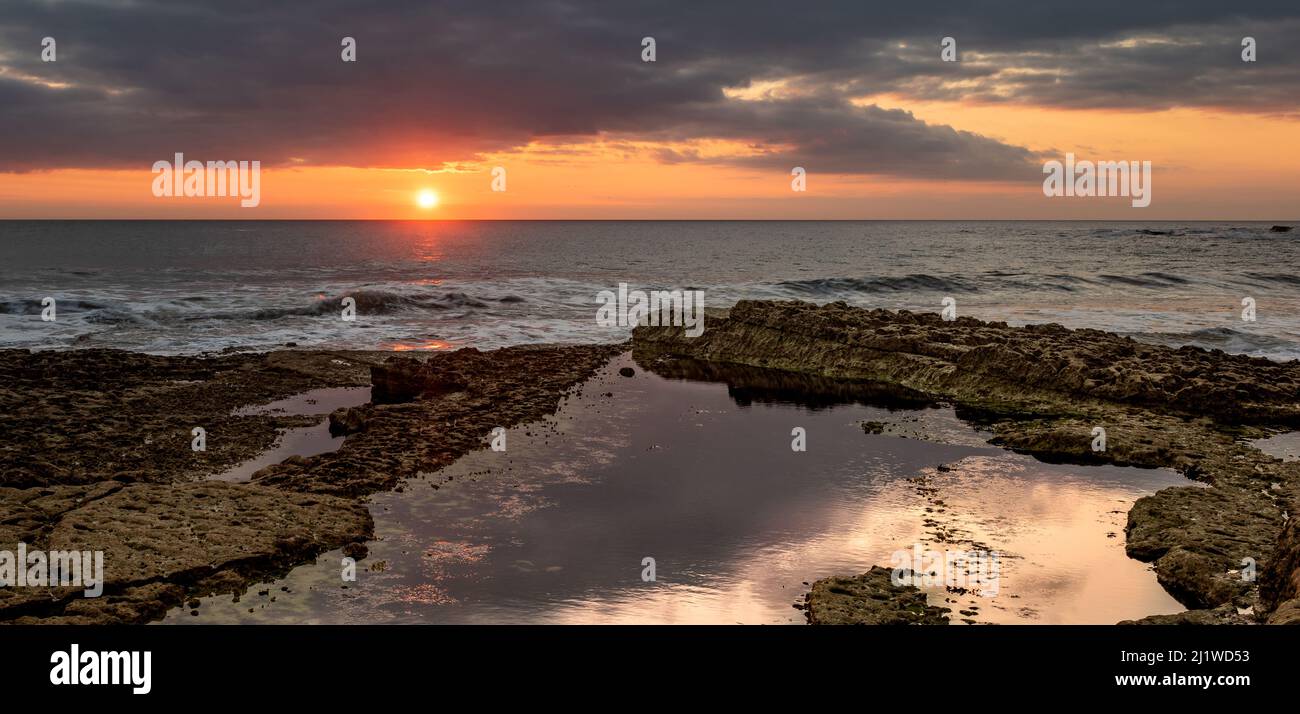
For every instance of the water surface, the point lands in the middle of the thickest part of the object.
(700, 476)
(298, 441)
(191, 286)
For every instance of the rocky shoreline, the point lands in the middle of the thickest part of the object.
(97, 449)
(1041, 390)
(97, 456)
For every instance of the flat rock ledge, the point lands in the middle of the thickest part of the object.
(96, 457)
(1040, 389)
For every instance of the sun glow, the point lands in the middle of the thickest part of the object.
(426, 199)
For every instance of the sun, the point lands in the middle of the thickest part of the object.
(426, 199)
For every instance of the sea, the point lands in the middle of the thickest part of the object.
(193, 287)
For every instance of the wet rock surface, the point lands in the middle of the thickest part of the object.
(869, 599)
(493, 389)
(97, 456)
(404, 379)
(347, 420)
(1222, 615)
(1042, 390)
(1280, 582)
(96, 449)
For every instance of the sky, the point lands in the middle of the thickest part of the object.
(559, 96)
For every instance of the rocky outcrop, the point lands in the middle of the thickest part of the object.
(988, 363)
(869, 599)
(97, 456)
(162, 543)
(1222, 615)
(437, 423)
(1280, 581)
(347, 420)
(400, 380)
(1041, 390)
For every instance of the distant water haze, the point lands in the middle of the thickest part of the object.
(197, 286)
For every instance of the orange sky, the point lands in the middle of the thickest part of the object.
(1207, 165)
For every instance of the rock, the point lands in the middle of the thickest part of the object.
(1224, 615)
(984, 364)
(97, 457)
(870, 599)
(356, 551)
(347, 420)
(1198, 539)
(1279, 587)
(1288, 613)
(626, 372)
(1280, 229)
(184, 534)
(402, 380)
(1195, 579)
(1042, 390)
(501, 388)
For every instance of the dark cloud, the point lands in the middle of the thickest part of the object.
(444, 82)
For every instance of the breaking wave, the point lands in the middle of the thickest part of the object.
(827, 287)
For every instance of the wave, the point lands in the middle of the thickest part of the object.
(33, 306)
(1066, 277)
(1145, 280)
(1221, 338)
(117, 316)
(195, 308)
(989, 281)
(1284, 278)
(838, 286)
(376, 302)
(1256, 230)
(1129, 232)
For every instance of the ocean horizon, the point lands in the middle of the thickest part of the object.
(182, 287)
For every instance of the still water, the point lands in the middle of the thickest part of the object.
(699, 474)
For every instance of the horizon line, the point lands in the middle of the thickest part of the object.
(672, 220)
